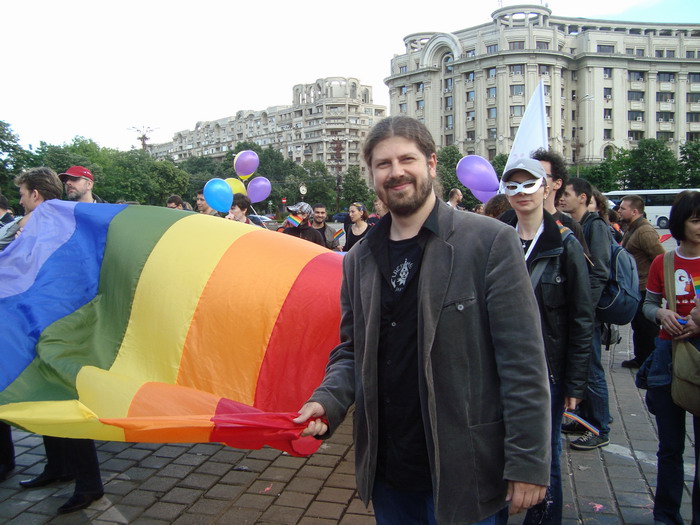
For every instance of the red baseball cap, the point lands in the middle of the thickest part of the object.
(79, 172)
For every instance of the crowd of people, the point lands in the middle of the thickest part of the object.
(459, 403)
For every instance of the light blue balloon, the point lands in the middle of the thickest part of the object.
(218, 195)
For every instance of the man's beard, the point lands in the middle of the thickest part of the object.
(74, 195)
(404, 205)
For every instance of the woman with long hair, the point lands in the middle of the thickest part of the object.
(559, 275)
(358, 224)
(655, 374)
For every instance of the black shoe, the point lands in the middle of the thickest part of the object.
(42, 480)
(630, 363)
(78, 502)
(589, 441)
(572, 427)
(5, 471)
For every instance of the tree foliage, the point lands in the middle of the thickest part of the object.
(690, 165)
(354, 189)
(13, 159)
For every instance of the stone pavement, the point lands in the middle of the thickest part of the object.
(208, 483)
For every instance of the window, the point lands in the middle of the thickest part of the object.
(517, 111)
(492, 134)
(491, 92)
(513, 131)
(639, 52)
(635, 76)
(670, 53)
(692, 136)
(420, 87)
(541, 44)
(403, 69)
(607, 113)
(690, 54)
(629, 51)
(664, 116)
(491, 153)
(420, 104)
(607, 72)
(449, 139)
(607, 134)
(607, 93)
(403, 90)
(491, 72)
(516, 69)
(574, 75)
(469, 77)
(694, 78)
(517, 89)
(471, 135)
(635, 115)
(449, 103)
(659, 53)
(692, 117)
(665, 77)
(665, 135)
(635, 96)
(470, 96)
(403, 108)
(448, 85)
(635, 134)
(547, 90)
(516, 44)
(447, 63)
(693, 97)
(470, 52)
(544, 70)
(665, 96)
(491, 113)
(491, 49)
(470, 116)
(449, 122)
(603, 48)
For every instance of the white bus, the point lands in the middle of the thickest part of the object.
(657, 203)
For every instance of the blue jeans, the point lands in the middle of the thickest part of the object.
(398, 507)
(597, 411)
(549, 510)
(670, 420)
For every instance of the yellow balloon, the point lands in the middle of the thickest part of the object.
(236, 186)
(246, 177)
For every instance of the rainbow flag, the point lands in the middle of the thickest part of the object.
(696, 284)
(338, 234)
(135, 323)
(294, 219)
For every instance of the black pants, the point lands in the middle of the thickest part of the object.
(7, 448)
(644, 334)
(74, 457)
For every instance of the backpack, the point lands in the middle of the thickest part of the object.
(620, 298)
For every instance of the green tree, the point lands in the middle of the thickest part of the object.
(355, 189)
(447, 159)
(13, 159)
(690, 165)
(167, 179)
(499, 164)
(651, 165)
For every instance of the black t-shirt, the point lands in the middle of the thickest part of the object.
(402, 459)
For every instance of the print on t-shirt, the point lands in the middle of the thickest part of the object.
(399, 277)
(685, 293)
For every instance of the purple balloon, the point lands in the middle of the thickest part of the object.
(476, 173)
(246, 162)
(259, 189)
(484, 196)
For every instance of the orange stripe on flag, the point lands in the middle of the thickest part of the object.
(229, 333)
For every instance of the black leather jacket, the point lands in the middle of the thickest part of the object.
(566, 309)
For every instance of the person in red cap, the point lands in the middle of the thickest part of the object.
(78, 181)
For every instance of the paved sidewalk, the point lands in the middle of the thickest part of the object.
(208, 483)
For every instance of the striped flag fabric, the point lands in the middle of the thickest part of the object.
(136, 323)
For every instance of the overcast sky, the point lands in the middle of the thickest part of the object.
(96, 69)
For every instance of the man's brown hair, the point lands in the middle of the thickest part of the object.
(404, 127)
(636, 202)
(42, 179)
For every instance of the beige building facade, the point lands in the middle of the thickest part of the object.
(326, 122)
(607, 84)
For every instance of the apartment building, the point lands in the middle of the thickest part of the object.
(607, 84)
(326, 122)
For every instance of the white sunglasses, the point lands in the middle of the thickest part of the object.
(528, 187)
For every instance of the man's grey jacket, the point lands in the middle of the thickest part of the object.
(483, 381)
